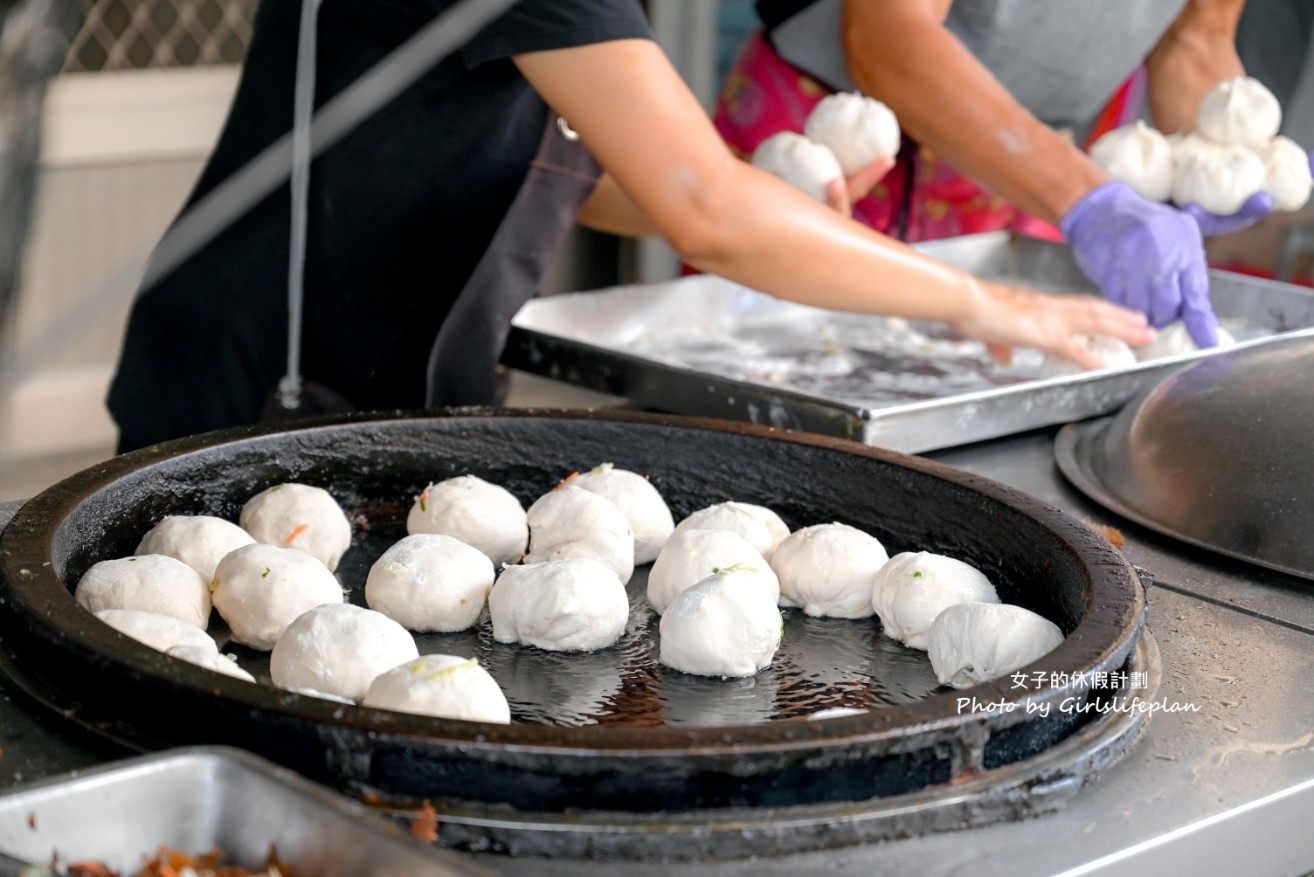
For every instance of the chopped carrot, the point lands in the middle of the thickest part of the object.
(425, 826)
(424, 498)
(569, 478)
(297, 532)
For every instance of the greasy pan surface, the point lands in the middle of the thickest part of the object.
(637, 754)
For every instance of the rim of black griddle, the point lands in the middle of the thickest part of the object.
(45, 633)
(1073, 447)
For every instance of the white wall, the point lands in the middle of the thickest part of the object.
(120, 152)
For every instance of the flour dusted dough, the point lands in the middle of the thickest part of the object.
(914, 587)
(1218, 178)
(150, 583)
(774, 524)
(858, 129)
(486, 516)
(260, 589)
(200, 541)
(1139, 156)
(1175, 340)
(722, 626)
(650, 519)
(339, 649)
(211, 659)
(1114, 352)
(441, 685)
(301, 517)
(1239, 111)
(826, 570)
(746, 520)
(430, 582)
(1286, 173)
(693, 555)
(160, 632)
(970, 643)
(571, 605)
(805, 165)
(570, 522)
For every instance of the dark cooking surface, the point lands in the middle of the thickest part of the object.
(1235, 640)
(1036, 556)
(822, 663)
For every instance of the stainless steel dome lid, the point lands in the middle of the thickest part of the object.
(1219, 454)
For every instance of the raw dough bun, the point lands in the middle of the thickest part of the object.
(1239, 111)
(160, 632)
(774, 523)
(693, 555)
(260, 589)
(916, 586)
(1175, 340)
(1115, 353)
(210, 659)
(430, 582)
(1217, 178)
(858, 129)
(1286, 173)
(200, 541)
(339, 649)
(570, 522)
(737, 517)
(483, 515)
(970, 643)
(805, 165)
(650, 519)
(440, 685)
(150, 583)
(301, 517)
(826, 569)
(1139, 156)
(572, 605)
(722, 626)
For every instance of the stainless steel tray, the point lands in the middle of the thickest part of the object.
(202, 799)
(703, 345)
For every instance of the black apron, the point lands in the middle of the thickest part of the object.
(463, 360)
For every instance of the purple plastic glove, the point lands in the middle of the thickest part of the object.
(1145, 256)
(1257, 206)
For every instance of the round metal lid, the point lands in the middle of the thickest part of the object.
(1217, 455)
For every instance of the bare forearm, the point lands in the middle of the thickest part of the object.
(759, 231)
(610, 210)
(899, 52)
(1196, 53)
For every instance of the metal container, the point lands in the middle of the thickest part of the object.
(206, 799)
(705, 346)
(1219, 454)
(665, 764)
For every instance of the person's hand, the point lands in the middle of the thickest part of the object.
(843, 194)
(1257, 206)
(1145, 256)
(1010, 316)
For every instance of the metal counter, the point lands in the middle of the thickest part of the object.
(1224, 785)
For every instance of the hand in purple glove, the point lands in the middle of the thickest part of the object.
(1257, 206)
(1145, 256)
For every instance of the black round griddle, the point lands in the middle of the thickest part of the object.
(634, 770)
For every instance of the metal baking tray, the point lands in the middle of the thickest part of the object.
(706, 346)
(203, 799)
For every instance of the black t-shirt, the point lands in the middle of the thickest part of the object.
(400, 211)
(773, 12)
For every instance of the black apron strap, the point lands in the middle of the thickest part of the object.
(463, 361)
